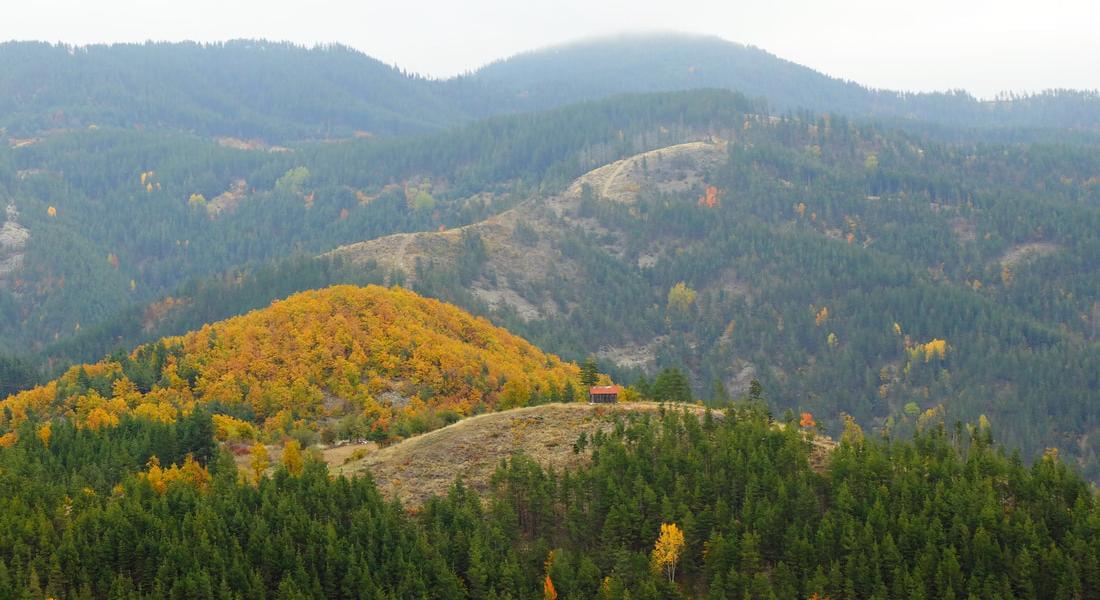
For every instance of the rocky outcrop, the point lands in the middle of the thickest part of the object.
(13, 243)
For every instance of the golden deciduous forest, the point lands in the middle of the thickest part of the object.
(373, 352)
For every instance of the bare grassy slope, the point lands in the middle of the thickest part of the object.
(517, 264)
(427, 465)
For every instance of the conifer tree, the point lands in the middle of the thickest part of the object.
(590, 372)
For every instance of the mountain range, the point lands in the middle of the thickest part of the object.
(285, 322)
(919, 264)
(279, 92)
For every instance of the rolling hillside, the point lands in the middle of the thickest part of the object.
(808, 255)
(254, 92)
(600, 67)
(377, 362)
(245, 89)
(199, 213)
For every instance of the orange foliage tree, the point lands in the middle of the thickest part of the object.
(710, 198)
(548, 591)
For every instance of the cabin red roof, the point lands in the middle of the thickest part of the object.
(604, 389)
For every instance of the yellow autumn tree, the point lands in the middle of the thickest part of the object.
(629, 394)
(259, 461)
(667, 550)
(155, 476)
(191, 473)
(821, 316)
(292, 457)
(44, 433)
(125, 390)
(156, 411)
(514, 395)
(935, 348)
(194, 474)
(680, 299)
(230, 428)
(99, 418)
(931, 418)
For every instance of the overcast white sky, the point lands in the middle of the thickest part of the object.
(983, 46)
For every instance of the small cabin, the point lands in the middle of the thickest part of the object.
(603, 394)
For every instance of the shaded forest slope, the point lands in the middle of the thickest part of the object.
(813, 256)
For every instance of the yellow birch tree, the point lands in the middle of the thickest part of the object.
(292, 457)
(260, 461)
(666, 552)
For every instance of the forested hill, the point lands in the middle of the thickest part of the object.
(247, 89)
(387, 359)
(662, 62)
(278, 92)
(97, 220)
(665, 62)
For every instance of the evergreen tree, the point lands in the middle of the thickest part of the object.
(590, 372)
(671, 385)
